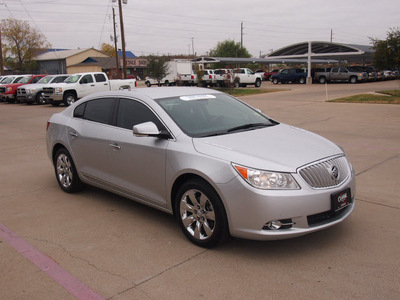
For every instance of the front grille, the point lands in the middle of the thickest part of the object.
(329, 173)
(48, 90)
(21, 92)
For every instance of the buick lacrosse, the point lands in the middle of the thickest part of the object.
(221, 167)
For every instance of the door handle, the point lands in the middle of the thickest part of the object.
(73, 133)
(115, 146)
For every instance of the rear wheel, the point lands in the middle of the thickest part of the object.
(275, 81)
(302, 80)
(66, 174)
(353, 79)
(148, 84)
(258, 83)
(201, 214)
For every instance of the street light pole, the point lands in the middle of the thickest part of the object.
(121, 19)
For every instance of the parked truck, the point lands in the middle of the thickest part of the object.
(79, 85)
(179, 72)
(245, 76)
(8, 92)
(341, 74)
(32, 93)
(290, 75)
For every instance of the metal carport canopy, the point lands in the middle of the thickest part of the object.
(315, 49)
(240, 60)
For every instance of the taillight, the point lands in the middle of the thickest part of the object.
(48, 124)
(210, 76)
(135, 83)
(192, 76)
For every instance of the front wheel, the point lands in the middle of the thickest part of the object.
(353, 79)
(322, 80)
(148, 84)
(302, 80)
(201, 214)
(69, 99)
(66, 174)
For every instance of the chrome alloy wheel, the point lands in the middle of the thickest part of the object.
(197, 214)
(64, 170)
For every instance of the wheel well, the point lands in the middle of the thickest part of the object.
(178, 183)
(55, 149)
(70, 92)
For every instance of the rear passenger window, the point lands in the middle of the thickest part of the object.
(100, 77)
(131, 113)
(99, 110)
(79, 111)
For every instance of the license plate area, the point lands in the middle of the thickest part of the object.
(341, 200)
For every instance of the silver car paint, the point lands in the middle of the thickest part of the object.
(279, 148)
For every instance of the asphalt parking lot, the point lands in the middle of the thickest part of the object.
(95, 245)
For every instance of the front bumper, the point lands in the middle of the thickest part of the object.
(55, 97)
(307, 210)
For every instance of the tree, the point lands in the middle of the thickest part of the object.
(108, 49)
(229, 48)
(387, 52)
(157, 68)
(22, 43)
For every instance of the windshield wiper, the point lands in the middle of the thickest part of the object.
(249, 126)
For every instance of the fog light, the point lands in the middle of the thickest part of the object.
(274, 225)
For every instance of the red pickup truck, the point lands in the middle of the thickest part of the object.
(8, 92)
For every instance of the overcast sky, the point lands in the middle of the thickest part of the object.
(173, 26)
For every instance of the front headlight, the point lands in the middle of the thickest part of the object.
(9, 89)
(58, 90)
(267, 180)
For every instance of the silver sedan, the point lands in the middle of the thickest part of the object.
(221, 167)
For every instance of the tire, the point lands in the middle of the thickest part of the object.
(69, 99)
(166, 83)
(55, 103)
(322, 80)
(40, 99)
(353, 79)
(302, 80)
(275, 81)
(201, 214)
(236, 84)
(66, 174)
(148, 84)
(258, 83)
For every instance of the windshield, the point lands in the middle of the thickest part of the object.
(212, 114)
(24, 80)
(7, 80)
(72, 79)
(45, 79)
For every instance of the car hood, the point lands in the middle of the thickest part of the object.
(278, 148)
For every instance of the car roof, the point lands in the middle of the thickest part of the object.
(167, 92)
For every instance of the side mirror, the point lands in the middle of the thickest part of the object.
(149, 129)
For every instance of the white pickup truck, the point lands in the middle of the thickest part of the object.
(79, 85)
(244, 77)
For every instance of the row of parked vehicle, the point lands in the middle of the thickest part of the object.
(57, 89)
(180, 72)
(352, 74)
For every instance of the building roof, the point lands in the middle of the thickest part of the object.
(128, 54)
(104, 62)
(63, 54)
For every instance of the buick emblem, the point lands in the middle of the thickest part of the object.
(334, 171)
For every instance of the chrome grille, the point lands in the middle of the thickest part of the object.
(322, 174)
(48, 90)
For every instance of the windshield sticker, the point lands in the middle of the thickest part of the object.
(196, 97)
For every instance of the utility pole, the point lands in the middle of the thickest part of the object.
(193, 46)
(241, 35)
(331, 35)
(115, 41)
(1, 57)
(121, 19)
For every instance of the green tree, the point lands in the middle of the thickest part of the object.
(387, 52)
(157, 68)
(229, 48)
(22, 43)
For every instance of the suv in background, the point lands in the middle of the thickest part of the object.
(290, 75)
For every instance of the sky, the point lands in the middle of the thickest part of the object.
(185, 27)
